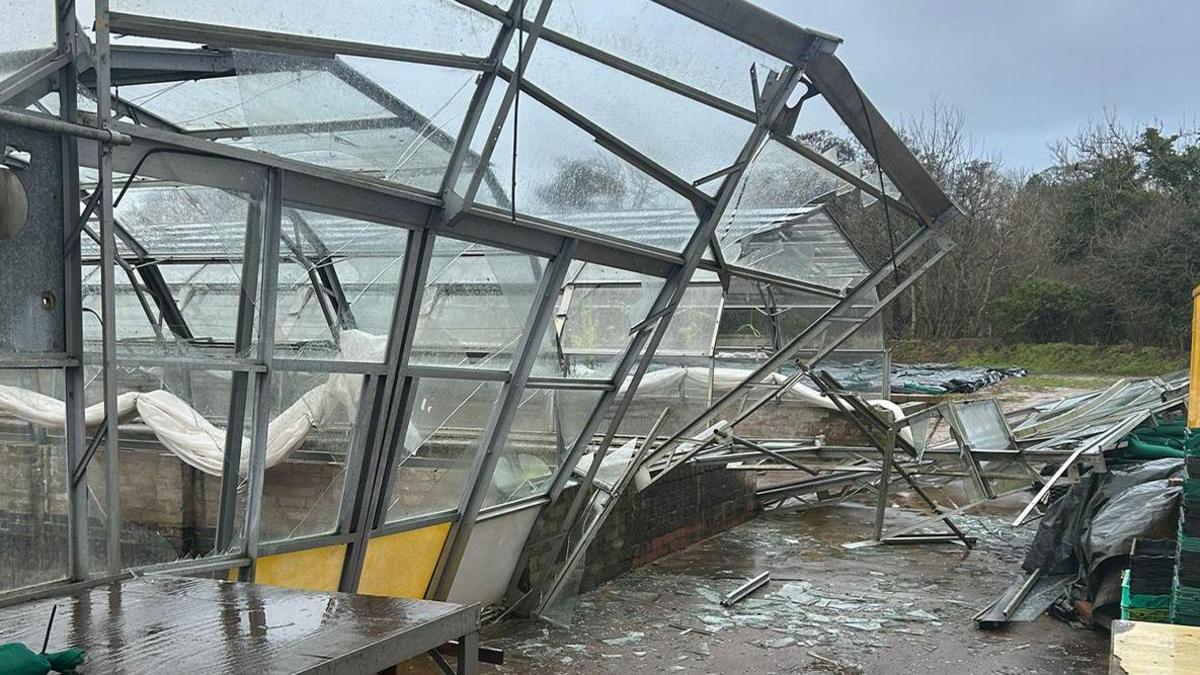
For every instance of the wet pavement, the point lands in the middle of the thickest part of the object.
(827, 609)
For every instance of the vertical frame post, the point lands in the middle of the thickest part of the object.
(77, 498)
(389, 410)
(257, 466)
(243, 336)
(108, 310)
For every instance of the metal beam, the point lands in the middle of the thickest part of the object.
(286, 43)
(758, 28)
(133, 65)
(54, 125)
(507, 102)
(479, 99)
(36, 79)
(843, 95)
(388, 418)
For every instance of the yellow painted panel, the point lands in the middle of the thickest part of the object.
(1194, 391)
(314, 569)
(400, 565)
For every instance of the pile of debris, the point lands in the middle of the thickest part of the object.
(1126, 471)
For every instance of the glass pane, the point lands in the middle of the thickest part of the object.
(319, 253)
(563, 175)
(201, 234)
(285, 91)
(596, 309)
(773, 225)
(172, 445)
(33, 485)
(694, 323)
(433, 25)
(982, 425)
(688, 138)
(314, 413)
(396, 121)
(27, 32)
(809, 246)
(546, 425)
(653, 36)
(476, 305)
(441, 445)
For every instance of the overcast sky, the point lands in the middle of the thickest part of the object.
(1024, 72)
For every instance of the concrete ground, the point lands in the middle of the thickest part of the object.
(826, 609)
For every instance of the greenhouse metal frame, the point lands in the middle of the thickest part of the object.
(127, 148)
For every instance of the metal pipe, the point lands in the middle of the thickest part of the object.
(55, 125)
(746, 589)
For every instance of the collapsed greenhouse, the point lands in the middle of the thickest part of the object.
(379, 298)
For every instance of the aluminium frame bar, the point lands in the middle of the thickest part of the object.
(108, 311)
(388, 418)
(507, 101)
(257, 466)
(240, 380)
(474, 116)
(289, 43)
(33, 80)
(73, 371)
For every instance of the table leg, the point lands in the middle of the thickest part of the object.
(468, 654)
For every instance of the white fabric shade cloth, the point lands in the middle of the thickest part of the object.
(195, 440)
(201, 444)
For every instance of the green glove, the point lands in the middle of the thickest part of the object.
(65, 661)
(17, 659)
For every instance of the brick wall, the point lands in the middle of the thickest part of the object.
(690, 504)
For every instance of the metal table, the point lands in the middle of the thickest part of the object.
(184, 625)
